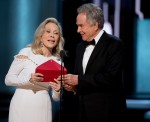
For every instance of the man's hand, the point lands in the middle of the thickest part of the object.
(70, 79)
(69, 82)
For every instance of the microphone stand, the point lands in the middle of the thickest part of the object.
(61, 90)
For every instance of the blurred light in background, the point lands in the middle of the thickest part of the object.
(23, 21)
(19, 20)
(142, 46)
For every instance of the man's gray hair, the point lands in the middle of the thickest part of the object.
(93, 12)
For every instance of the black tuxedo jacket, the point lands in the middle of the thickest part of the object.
(100, 89)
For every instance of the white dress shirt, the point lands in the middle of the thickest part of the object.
(89, 50)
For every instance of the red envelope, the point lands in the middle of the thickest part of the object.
(50, 69)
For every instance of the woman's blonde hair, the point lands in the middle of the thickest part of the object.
(36, 45)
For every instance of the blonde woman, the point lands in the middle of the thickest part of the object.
(31, 101)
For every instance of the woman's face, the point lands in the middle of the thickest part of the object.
(50, 36)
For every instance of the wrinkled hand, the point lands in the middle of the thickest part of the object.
(69, 82)
(36, 77)
(70, 79)
(55, 85)
(70, 88)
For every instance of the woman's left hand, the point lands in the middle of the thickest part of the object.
(55, 85)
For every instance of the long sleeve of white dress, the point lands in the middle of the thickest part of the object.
(14, 76)
(19, 73)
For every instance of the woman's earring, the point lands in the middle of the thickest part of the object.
(41, 44)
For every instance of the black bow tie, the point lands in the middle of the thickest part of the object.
(90, 42)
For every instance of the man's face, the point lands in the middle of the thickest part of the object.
(86, 30)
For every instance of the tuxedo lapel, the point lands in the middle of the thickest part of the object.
(80, 58)
(96, 50)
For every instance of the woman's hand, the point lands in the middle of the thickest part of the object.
(36, 77)
(55, 85)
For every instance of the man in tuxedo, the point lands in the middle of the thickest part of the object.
(97, 80)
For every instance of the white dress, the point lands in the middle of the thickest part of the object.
(31, 101)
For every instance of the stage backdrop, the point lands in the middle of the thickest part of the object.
(142, 56)
(19, 19)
